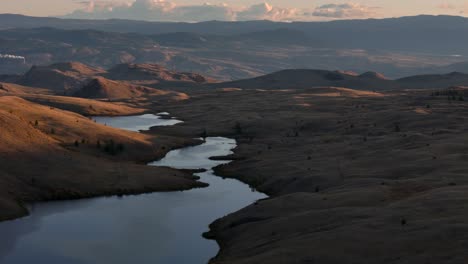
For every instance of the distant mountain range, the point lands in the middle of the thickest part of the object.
(397, 47)
(415, 33)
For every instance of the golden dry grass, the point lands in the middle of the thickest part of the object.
(41, 161)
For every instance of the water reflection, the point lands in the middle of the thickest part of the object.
(150, 228)
(137, 123)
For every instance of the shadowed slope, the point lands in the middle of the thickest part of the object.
(62, 78)
(134, 72)
(303, 79)
(54, 154)
(435, 81)
(78, 105)
(10, 88)
(102, 88)
(299, 79)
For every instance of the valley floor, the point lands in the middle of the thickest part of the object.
(354, 177)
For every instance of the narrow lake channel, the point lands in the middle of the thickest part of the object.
(159, 228)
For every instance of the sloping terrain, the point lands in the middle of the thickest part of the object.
(100, 88)
(81, 106)
(11, 88)
(353, 175)
(152, 72)
(300, 79)
(62, 78)
(127, 80)
(47, 154)
(435, 81)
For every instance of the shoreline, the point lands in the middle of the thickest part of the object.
(132, 176)
(221, 198)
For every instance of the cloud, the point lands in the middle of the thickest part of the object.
(164, 10)
(266, 11)
(346, 10)
(451, 8)
(140, 9)
(203, 13)
(447, 6)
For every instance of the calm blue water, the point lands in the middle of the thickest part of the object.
(137, 123)
(152, 228)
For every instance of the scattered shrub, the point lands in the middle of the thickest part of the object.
(112, 148)
(204, 134)
(397, 127)
(238, 128)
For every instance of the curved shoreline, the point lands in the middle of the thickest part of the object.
(135, 165)
(200, 168)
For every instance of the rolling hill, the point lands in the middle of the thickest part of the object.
(102, 88)
(62, 78)
(302, 79)
(49, 154)
(155, 73)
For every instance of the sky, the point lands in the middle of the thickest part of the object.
(199, 10)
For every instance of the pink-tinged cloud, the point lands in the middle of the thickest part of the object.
(162, 10)
(346, 10)
(447, 6)
(451, 8)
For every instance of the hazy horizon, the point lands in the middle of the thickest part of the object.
(194, 11)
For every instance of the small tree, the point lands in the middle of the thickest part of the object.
(120, 147)
(403, 221)
(110, 147)
(397, 127)
(204, 134)
(238, 128)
